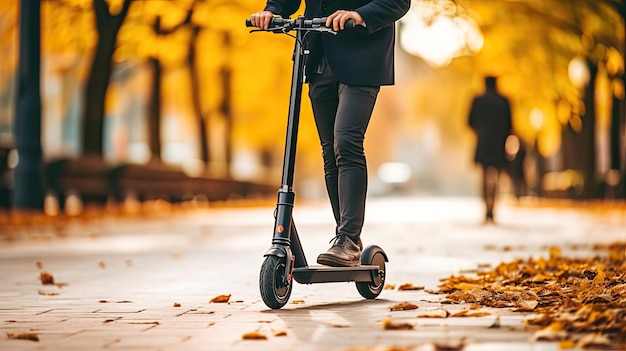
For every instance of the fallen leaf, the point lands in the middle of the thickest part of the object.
(435, 314)
(567, 344)
(553, 332)
(176, 304)
(461, 313)
(297, 302)
(23, 336)
(221, 298)
(477, 314)
(255, 335)
(457, 345)
(46, 278)
(403, 306)
(279, 332)
(389, 286)
(594, 341)
(39, 264)
(409, 286)
(526, 305)
(389, 325)
(102, 264)
(48, 293)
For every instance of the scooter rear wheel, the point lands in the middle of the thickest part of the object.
(275, 287)
(374, 256)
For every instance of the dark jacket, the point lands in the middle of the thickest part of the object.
(359, 56)
(490, 119)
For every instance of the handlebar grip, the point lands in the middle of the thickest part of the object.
(349, 24)
(275, 21)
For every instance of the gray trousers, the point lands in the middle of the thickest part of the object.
(342, 113)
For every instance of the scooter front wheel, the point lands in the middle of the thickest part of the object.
(275, 286)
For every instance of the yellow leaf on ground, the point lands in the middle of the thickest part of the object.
(221, 298)
(451, 345)
(255, 335)
(403, 306)
(526, 305)
(279, 332)
(23, 336)
(389, 325)
(553, 332)
(435, 314)
(46, 278)
(409, 286)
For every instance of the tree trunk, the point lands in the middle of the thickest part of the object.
(108, 27)
(28, 185)
(587, 147)
(195, 97)
(226, 104)
(154, 112)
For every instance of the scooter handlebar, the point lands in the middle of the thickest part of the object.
(300, 23)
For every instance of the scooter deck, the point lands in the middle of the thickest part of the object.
(326, 274)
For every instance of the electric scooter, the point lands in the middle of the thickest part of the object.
(285, 260)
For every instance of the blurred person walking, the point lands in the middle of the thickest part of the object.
(490, 120)
(345, 72)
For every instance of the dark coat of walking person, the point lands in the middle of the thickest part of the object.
(490, 120)
(345, 72)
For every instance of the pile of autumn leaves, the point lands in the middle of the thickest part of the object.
(578, 302)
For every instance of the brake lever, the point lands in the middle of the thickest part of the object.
(273, 30)
(318, 29)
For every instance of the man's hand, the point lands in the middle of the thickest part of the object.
(261, 19)
(338, 19)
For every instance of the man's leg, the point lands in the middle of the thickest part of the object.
(324, 101)
(356, 104)
(354, 110)
(490, 183)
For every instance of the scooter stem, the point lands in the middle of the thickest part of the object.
(285, 233)
(293, 118)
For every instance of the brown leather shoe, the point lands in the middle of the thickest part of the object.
(343, 253)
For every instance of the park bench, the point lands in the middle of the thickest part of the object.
(149, 182)
(85, 177)
(214, 189)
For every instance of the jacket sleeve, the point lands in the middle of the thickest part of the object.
(378, 14)
(284, 8)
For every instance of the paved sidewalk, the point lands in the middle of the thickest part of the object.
(120, 279)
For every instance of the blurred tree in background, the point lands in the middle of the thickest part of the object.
(183, 82)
